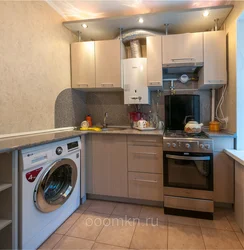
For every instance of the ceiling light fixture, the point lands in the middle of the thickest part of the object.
(140, 20)
(205, 13)
(84, 25)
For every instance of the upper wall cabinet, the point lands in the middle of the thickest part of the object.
(108, 64)
(154, 61)
(83, 64)
(214, 73)
(182, 49)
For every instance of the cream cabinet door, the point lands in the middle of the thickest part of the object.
(182, 48)
(108, 64)
(154, 61)
(83, 64)
(109, 157)
(214, 71)
(223, 178)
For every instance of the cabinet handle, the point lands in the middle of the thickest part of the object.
(142, 180)
(83, 84)
(150, 141)
(107, 84)
(155, 83)
(215, 81)
(145, 153)
(183, 59)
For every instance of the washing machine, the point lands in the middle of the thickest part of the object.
(49, 189)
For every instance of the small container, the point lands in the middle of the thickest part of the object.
(89, 120)
(214, 126)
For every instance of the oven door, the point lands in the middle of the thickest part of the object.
(188, 170)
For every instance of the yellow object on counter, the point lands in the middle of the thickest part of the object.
(91, 129)
(214, 126)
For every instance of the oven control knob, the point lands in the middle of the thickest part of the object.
(168, 145)
(187, 145)
(207, 146)
(59, 150)
(201, 146)
(174, 145)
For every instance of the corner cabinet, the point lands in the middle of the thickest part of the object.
(182, 48)
(97, 65)
(154, 61)
(214, 73)
(83, 65)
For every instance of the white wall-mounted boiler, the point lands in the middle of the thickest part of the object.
(135, 81)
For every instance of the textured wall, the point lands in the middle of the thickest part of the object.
(112, 102)
(34, 65)
(230, 26)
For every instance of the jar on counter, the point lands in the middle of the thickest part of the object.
(89, 120)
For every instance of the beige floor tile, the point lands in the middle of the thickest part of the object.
(86, 205)
(63, 229)
(220, 239)
(153, 212)
(219, 222)
(184, 237)
(183, 220)
(118, 232)
(147, 236)
(127, 210)
(88, 226)
(240, 236)
(232, 221)
(74, 243)
(51, 241)
(100, 246)
(103, 207)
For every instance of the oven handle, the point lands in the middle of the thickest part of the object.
(196, 158)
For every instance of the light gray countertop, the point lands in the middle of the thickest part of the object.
(237, 155)
(19, 142)
(221, 133)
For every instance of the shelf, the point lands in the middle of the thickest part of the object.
(5, 186)
(4, 223)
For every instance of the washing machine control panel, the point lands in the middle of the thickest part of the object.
(59, 150)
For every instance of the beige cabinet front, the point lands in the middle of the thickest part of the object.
(108, 64)
(182, 48)
(83, 65)
(223, 178)
(109, 165)
(154, 61)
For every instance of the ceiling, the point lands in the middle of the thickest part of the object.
(91, 9)
(183, 21)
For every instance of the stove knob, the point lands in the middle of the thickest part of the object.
(201, 146)
(168, 145)
(187, 145)
(207, 146)
(174, 145)
(59, 150)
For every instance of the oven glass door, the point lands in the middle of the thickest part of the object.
(192, 171)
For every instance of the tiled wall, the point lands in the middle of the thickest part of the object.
(97, 103)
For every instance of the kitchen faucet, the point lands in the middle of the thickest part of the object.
(104, 120)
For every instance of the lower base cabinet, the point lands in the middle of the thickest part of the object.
(145, 186)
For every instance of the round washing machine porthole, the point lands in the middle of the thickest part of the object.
(55, 185)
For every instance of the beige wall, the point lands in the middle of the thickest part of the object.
(230, 27)
(34, 65)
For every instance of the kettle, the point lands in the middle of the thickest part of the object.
(193, 127)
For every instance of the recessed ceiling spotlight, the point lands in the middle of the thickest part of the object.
(84, 25)
(205, 13)
(140, 20)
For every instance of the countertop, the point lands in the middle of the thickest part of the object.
(19, 142)
(222, 133)
(237, 155)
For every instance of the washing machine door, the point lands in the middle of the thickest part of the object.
(55, 185)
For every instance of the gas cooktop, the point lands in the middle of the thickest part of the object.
(182, 134)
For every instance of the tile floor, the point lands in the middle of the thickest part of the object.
(109, 225)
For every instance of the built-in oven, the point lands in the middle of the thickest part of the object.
(188, 183)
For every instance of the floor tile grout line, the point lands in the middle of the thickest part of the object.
(239, 239)
(133, 233)
(203, 238)
(57, 241)
(73, 223)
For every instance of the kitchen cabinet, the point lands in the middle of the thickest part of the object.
(108, 64)
(154, 61)
(214, 72)
(145, 166)
(83, 65)
(182, 48)
(109, 165)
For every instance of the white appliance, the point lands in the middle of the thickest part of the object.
(49, 189)
(135, 81)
